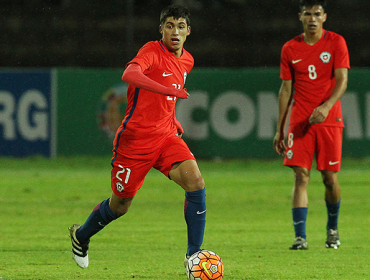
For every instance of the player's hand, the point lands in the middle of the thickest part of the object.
(180, 130)
(183, 93)
(279, 144)
(319, 114)
(179, 93)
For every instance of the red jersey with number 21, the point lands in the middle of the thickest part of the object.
(311, 68)
(149, 117)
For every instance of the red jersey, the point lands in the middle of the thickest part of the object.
(311, 68)
(149, 116)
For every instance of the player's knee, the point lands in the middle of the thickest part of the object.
(120, 211)
(329, 179)
(302, 178)
(329, 182)
(200, 183)
(120, 206)
(195, 184)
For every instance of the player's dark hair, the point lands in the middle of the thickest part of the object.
(310, 3)
(175, 11)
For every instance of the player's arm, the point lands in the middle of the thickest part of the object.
(134, 75)
(321, 112)
(285, 99)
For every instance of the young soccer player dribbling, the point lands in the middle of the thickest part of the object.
(150, 135)
(316, 65)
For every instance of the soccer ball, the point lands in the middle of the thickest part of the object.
(205, 265)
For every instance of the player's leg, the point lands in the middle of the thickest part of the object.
(101, 215)
(332, 200)
(178, 163)
(300, 206)
(332, 197)
(328, 162)
(120, 205)
(104, 213)
(188, 176)
(127, 176)
(299, 156)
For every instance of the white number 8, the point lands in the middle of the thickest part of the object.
(312, 72)
(290, 140)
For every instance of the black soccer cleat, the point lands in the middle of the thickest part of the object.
(79, 250)
(299, 244)
(332, 240)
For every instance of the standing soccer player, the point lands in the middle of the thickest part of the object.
(150, 135)
(315, 64)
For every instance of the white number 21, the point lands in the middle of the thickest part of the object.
(128, 172)
(177, 86)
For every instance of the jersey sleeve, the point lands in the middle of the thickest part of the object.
(146, 58)
(285, 69)
(341, 54)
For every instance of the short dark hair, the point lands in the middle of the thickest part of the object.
(175, 11)
(310, 3)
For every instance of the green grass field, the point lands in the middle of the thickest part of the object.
(248, 222)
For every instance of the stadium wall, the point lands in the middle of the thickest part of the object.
(231, 113)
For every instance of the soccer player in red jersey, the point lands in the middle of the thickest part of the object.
(314, 72)
(150, 135)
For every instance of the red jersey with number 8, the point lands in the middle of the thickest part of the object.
(149, 116)
(311, 68)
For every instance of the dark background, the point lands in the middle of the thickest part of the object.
(97, 33)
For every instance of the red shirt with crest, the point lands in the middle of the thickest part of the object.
(150, 117)
(311, 68)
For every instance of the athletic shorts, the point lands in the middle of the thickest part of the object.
(306, 141)
(130, 168)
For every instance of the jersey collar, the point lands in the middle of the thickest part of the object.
(324, 34)
(164, 48)
(162, 45)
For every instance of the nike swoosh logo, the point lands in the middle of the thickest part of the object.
(166, 75)
(101, 224)
(297, 223)
(204, 265)
(200, 213)
(296, 61)
(333, 163)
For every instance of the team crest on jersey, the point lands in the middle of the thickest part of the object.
(185, 75)
(120, 187)
(289, 154)
(325, 57)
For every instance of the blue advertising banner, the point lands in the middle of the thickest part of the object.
(27, 125)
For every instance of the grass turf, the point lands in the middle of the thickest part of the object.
(248, 222)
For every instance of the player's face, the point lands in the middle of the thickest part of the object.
(174, 33)
(312, 18)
